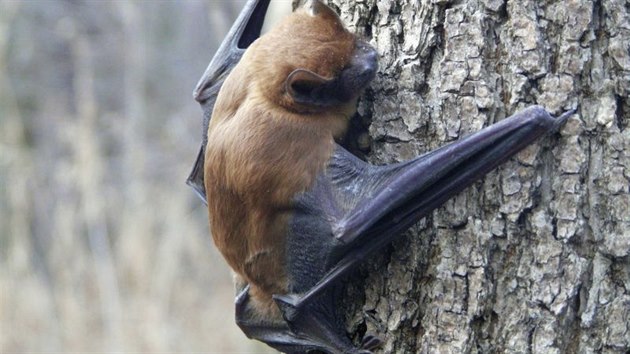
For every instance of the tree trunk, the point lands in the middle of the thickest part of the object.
(536, 256)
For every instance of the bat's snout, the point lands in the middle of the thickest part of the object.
(366, 59)
(361, 69)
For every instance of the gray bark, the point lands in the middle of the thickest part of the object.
(535, 257)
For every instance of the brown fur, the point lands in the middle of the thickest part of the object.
(263, 148)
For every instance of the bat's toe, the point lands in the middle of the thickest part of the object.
(370, 342)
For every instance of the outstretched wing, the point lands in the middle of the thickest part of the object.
(373, 204)
(244, 31)
(399, 195)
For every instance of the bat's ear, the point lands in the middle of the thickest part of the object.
(307, 87)
(318, 8)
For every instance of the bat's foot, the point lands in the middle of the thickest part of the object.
(317, 322)
(307, 329)
(370, 342)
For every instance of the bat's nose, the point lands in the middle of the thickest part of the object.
(360, 70)
(366, 50)
(365, 59)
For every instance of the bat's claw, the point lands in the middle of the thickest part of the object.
(371, 342)
(315, 321)
(289, 305)
(559, 122)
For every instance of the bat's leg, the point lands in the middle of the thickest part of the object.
(319, 321)
(275, 334)
(312, 331)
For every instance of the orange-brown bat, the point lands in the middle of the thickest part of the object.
(290, 210)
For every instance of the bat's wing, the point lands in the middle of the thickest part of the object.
(401, 194)
(373, 204)
(244, 31)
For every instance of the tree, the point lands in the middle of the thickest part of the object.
(536, 256)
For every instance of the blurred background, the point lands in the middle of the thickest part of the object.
(103, 248)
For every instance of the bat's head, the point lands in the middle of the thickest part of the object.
(311, 63)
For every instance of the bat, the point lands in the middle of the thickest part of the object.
(291, 211)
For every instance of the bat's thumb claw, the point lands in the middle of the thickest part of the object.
(559, 122)
(288, 305)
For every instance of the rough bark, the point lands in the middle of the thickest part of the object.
(536, 256)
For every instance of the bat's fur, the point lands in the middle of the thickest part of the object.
(264, 147)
